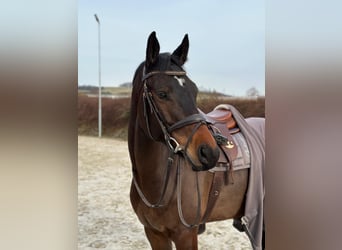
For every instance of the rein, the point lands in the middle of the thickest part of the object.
(179, 200)
(174, 147)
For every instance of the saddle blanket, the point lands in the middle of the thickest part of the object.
(252, 132)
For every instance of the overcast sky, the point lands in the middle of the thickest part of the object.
(227, 40)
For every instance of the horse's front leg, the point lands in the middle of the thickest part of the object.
(158, 240)
(186, 239)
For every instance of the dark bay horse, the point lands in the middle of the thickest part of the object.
(171, 147)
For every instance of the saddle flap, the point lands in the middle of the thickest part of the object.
(242, 160)
(228, 148)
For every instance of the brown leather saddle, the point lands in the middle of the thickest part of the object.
(222, 116)
(223, 126)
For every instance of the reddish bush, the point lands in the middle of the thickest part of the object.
(247, 106)
(115, 113)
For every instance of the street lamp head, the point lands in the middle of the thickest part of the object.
(97, 19)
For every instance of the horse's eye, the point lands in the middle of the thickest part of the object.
(162, 94)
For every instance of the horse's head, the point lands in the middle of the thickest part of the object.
(170, 111)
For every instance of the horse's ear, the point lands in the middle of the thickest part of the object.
(181, 53)
(152, 50)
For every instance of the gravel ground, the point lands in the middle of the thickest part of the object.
(105, 217)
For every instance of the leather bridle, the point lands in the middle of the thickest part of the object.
(171, 142)
(174, 147)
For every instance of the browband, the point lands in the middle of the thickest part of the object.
(170, 73)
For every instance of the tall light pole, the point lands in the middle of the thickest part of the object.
(100, 103)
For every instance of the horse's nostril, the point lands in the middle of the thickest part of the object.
(207, 155)
(204, 154)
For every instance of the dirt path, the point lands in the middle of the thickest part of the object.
(105, 217)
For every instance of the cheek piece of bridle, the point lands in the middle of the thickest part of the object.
(173, 145)
(170, 141)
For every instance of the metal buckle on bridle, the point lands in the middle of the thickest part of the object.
(176, 147)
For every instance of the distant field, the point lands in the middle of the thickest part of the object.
(115, 91)
(126, 91)
(118, 90)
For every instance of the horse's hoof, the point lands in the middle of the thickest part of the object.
(201, 228)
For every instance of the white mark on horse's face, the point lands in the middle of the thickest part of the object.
(181, 81)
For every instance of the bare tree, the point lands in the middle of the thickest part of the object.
(252, 92)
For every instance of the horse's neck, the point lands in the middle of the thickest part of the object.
(150, 158)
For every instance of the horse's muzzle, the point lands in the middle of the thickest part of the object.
(208, 157)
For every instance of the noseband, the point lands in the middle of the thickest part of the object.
(171, 142)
